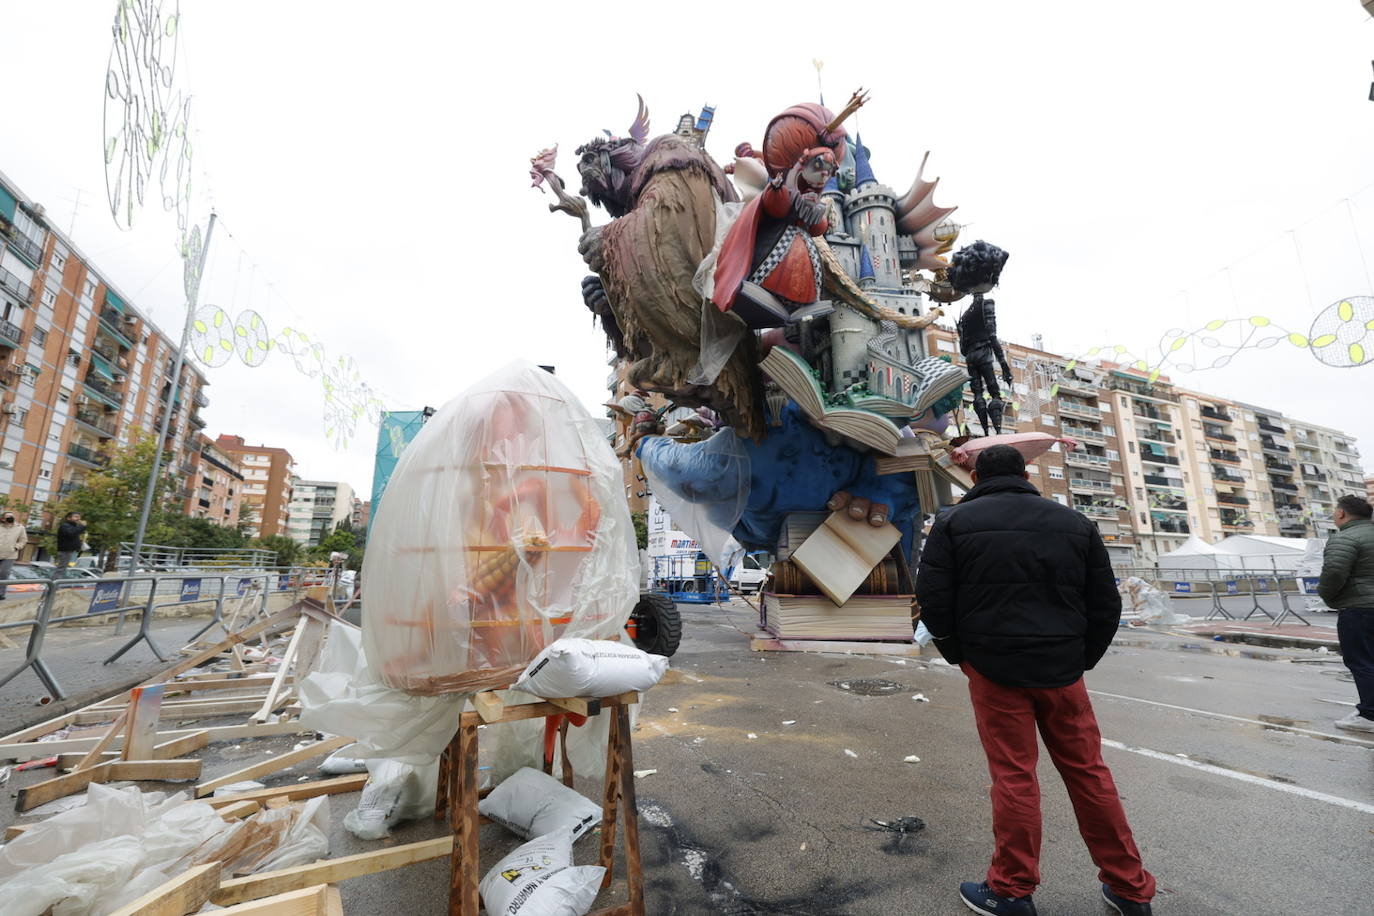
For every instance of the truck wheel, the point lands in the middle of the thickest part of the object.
(658, 626)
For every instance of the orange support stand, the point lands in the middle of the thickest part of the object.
(458, 795)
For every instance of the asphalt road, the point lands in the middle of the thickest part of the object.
(1242, 796)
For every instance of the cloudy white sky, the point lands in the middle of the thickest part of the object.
(369, 163)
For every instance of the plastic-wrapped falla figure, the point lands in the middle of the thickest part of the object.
(976, 269)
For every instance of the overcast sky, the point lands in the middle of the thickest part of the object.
(369, 164)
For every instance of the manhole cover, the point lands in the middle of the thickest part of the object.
(869, 686)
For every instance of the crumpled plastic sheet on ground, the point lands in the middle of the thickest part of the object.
(395, 792)
(504, 527)
(1147, 603)
(122, 843)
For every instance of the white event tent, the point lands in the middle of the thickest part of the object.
(1237, 553)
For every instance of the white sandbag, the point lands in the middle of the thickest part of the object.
(573, 667)
(342, 763)
(532, 803)
(395, 792)
(539, 879)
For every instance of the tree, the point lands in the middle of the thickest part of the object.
(288, 551)
(641, 523)
(110, 500)
(341, 541)
(184, 531)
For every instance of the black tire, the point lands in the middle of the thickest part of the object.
(658, 625)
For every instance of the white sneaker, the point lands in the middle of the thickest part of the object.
(1355, 723)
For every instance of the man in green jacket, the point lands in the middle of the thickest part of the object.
(1347, 584)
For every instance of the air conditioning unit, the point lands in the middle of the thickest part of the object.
(6, 465)
(7, 409)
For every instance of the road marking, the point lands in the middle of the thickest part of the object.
(1345, 739)
(1244, 777)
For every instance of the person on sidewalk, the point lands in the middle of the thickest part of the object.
(13, 537)
(1018, 591)
(1347, 584)
(69, 535)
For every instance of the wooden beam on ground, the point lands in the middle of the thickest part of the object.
(145, 705)
(296, 791)
(178, 747)
(41, 793)
(28, 750)
(310, 901)
(252, 887)
(116, 727)
(488, 705)
(272, 765)
(239, 810)
(186, 893)
(192, 709)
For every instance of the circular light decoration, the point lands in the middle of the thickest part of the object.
(1340, 335)
(251, 340)
(212, 336)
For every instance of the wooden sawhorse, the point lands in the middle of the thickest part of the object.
(458, 793)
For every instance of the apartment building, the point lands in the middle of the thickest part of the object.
(267, 474)
(81, 367)
(1328, 467)
(216, 484)
(318, 507)
(1231, 492)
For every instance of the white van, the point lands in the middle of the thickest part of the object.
(748, 574)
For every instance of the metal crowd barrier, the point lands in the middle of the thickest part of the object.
(116, 596)
(1218, 585)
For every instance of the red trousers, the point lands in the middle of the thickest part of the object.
(1007, 720)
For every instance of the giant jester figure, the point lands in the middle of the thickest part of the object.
(696, 289)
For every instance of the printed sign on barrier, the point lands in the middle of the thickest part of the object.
(1263, 585)
(242, 587)
(1233, 588)
(1183, 588)
(106, 597)
(190, 590)
(1308, 584)
(283, 582)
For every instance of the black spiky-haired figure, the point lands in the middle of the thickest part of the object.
(976, 269)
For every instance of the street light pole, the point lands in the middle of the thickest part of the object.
(151, 488)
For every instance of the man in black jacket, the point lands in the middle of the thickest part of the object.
(1018, 591)
(69, 539)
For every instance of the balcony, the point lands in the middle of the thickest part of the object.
(103, 390)
(1158, 435)
(1087, 460)
(1070, 382)
(1313, 475)
(10, 335)
(1221, 473)
(16, 286)
(1090, 486)
(1083, 433)
(1278, 464)
(1145, 410)
(1283, 485)
(1139, 388)
(1216, 413)
(1171, 526)
(1078, 409)
(87, 456)
(1224, 455)
(1092, 511)
(1211, 432)
(117, 326)
(95, 421)
(1153, 457)
(1156, 480)
(1269, 445)
(199, 398)
(1271, 428)
(197, 422)
(1230, 499)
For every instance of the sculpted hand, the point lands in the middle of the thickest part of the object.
(590, 247)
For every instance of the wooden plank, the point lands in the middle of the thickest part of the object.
(145, 705)
(465, 860)
(634, 874)
(333, 904)
(764, 642)
(545, 708)
(272, 764)
(239, 810)
(195, 709)
(186, 893)
(218, 683)
(229, 642)
(488, 705)
(41, 793)
(297, 791)
(610, 802)
(116, 727)
(28, 750)
(583, 706)
(273, 699)
(178, 747)
(310, 901)
(252, 887)
(67, 762)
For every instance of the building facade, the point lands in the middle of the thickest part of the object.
(81, 368)
(216, 484)
(317, 508)
(267, 473)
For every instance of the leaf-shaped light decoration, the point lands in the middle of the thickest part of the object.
(1259, 321)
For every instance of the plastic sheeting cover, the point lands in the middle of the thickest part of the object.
(505, 527)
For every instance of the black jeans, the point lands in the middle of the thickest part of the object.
(1355, 630)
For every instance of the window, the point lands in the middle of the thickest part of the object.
(1124, 402)
(1139, 493)
(50, 296)
(39, 336)
(1055, 473)
(1108, 430)
(1047, 420)
(1018, 363)
(944, 346)
(89, 291)
(58, 260)
(1113, 455)
(1208, 491)
(45, 473)
(1130, 447)
(1118, 480)
(18, 417)
(1144, 519)
(1033, 470)
(1059, 498)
